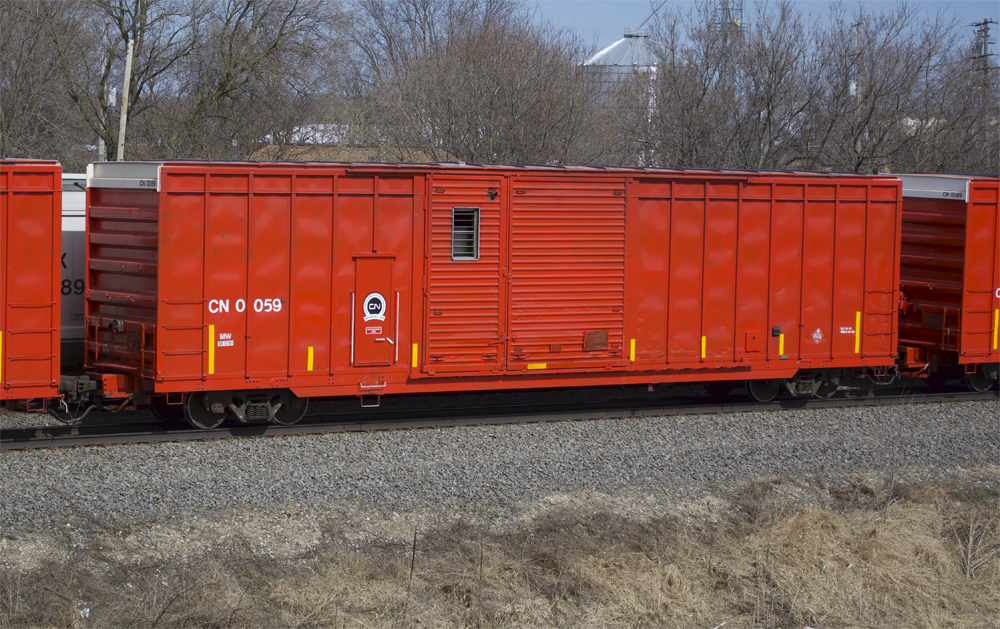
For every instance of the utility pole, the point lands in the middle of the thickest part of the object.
(125, 93)
(102, 149)
(981, 45)
(857, 95)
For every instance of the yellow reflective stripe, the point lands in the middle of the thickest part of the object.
(309, 363)
(1, 354)
(703, 347)
(781, 345)
(631, 351)
(996, 326)
(857, 333)
(211, 349)
(536, 365)
(416, 353)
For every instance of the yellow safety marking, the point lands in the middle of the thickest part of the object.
(703, 346)
(781, 345)
(631, 351)
(536, 365)
(857, 333)
(996, 326)
(211, 349)
(309, 363)
(416, 353)
(1, 353)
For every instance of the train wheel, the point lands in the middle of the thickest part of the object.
(718, 388)
(763, 390)
(201, 415)
(167, 413)
(825, 391)
(292, 411)
(979, 382)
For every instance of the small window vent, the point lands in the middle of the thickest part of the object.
(465, 233)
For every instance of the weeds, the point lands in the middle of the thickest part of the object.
(761, 561)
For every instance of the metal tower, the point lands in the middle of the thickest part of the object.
(728, 15)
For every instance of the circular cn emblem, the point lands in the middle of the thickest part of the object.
(374, 307)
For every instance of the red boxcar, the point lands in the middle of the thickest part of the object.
(229, 280)
(950, 274)
(30, 248)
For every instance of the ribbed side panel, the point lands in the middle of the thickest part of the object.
(981, 291)
(122, 269)
(30, 243)
(567, 276)
(931, 266)
(464, 297)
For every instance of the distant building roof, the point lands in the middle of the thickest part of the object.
(635, 50)
(313, 153)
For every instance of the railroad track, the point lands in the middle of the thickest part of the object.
(377, 420)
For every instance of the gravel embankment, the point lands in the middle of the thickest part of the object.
(488, 473)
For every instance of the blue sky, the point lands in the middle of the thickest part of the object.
(602, 22)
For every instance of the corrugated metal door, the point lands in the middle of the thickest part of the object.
(567, 273)
(464, 303)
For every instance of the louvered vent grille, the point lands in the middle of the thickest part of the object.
(465, 233)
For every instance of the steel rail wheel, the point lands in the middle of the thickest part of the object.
(199, 414)
(292, 411)
(979, 382)
(763, 390)
(168, 413)
(718, 388)
(825, 391)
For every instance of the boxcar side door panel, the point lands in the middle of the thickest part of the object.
(465, 300)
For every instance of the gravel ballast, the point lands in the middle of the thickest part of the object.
(487, 473)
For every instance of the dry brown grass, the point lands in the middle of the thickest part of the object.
(931, 558)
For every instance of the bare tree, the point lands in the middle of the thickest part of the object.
(690, 124)
(475, 80)
(36, 119)
(873, 69)
(91, 55)
(776, 83)
(253, 71)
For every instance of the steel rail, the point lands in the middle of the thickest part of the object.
(115, 434)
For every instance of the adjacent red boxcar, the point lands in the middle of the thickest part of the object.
(254, 285)
(950, 273)
(30, 247)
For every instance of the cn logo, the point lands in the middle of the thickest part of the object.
(374, 307)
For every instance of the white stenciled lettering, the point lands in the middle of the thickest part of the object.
(216, 306)
(267, 305)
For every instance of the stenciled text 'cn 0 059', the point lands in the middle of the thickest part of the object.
(243, 289)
